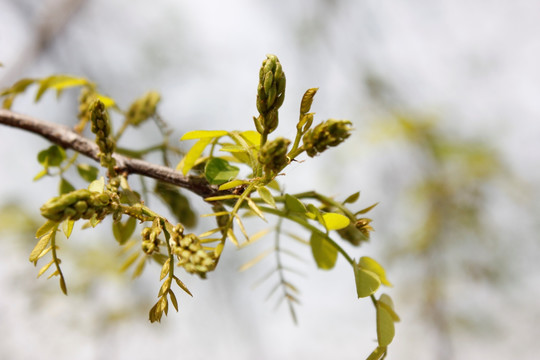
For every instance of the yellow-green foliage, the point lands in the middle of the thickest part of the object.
(220, 159)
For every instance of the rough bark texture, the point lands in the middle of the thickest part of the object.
(69, 139)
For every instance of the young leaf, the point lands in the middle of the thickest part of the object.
(45, 268)
(63, 284)
(218, 171)
(65, 186)
(256, 259)
(201, 134)
(386, 301)
(231, 184)
(67, 227)
(385, 326)
(252, 137)
(363, 211)
(352, 198)
(165, 269)
(59, 82)
(334, 221)
(378, 354)
(255, 208)
(173, 300)
(182, 286)
(193, 154)
(123, 231)
(53, 156)
(367, 282)
(368, 263)
(294, 205)
(266, 195)
(41, 245)
(324, 253)
(97, 185)
(87, 172)
(45, 228)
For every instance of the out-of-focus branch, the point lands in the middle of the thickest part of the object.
(69, 139)
(50, 23)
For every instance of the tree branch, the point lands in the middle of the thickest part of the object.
(68, 139)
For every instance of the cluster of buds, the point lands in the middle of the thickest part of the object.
(329, 133)
(143, 108)
(273, 155)
(357, 232)
(79, 204)
(104, 140)
(150, 239)
(270, 95)
(190, 252)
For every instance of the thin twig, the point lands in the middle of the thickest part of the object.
(69, 139)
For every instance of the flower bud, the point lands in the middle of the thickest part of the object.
(270, 94)
(329, 133)
(273, 155)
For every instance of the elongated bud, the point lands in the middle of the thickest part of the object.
(78, 204)
(329, 133)
(102, 128)
(270, 94)
(307, 100)
(143, 108)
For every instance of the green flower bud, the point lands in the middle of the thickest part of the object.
(326, 134)
(270, 94)
(273, 155)
(101, 127)
(143, 108)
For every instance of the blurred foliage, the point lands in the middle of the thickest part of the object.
(446, 205)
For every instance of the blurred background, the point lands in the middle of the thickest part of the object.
(443, 96)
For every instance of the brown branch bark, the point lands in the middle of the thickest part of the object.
(69, 139)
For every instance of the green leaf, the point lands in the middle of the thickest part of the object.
(65, 187)
(123, 231)
(252, 137)
(67, 227)
(42, 244)
(53, 156)
(352, 198)
(17, 88)
(377, 354)
(255, 208)
(368, 263)
(193, 154)
(232, 184)
(97, 185)
(219, 171)
(324, 253)
(59, 83)
(266, 195)
(385, 326)
(201, 134)
(367, 282)
(40, 174)
(387, 302)
(45, 228)
(107, 101)
(363, 211)
(87, 172)
(294, 205)
(334, 221)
